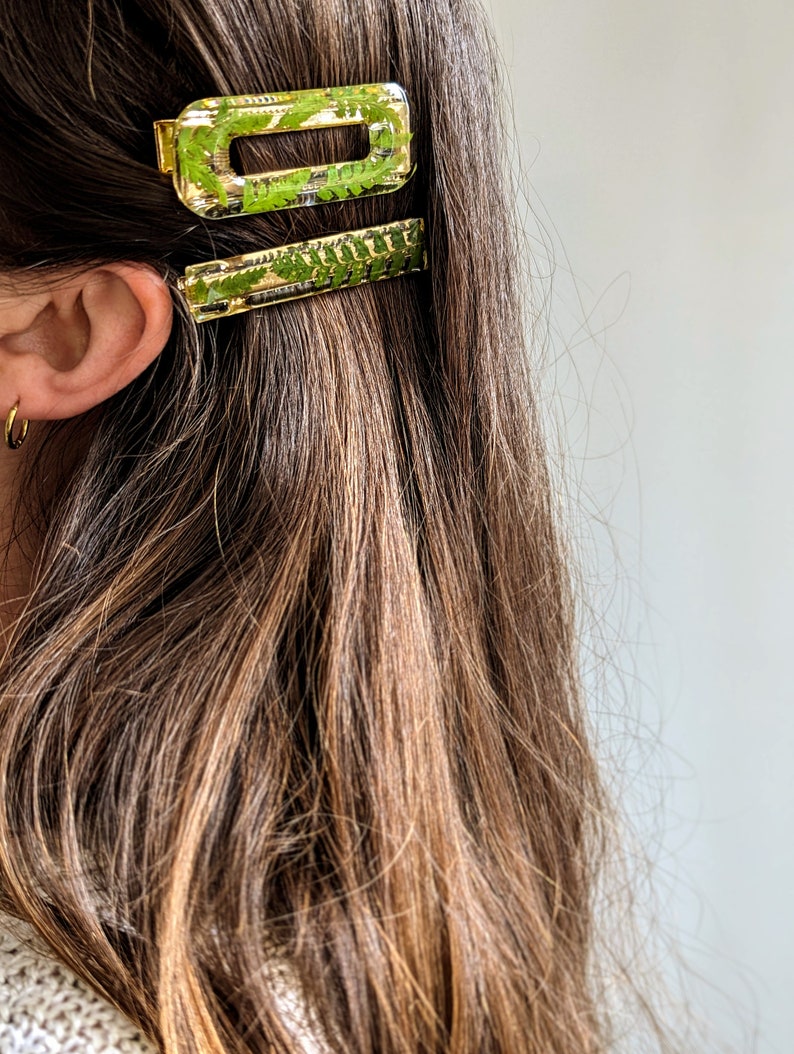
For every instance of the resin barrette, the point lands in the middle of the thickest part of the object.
(241, 283)
(194, 149)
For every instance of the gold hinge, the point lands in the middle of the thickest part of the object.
(164, 137)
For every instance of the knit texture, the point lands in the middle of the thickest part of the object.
(46, 1009)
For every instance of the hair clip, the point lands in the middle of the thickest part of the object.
(241, 283)
(194, 148)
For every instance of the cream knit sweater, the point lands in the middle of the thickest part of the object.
(45, 1009)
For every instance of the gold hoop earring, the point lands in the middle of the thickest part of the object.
(11, 443)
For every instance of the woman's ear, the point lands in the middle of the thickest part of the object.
(68, 347)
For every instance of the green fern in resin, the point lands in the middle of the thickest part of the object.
(195, 150)
(351, 262)
(320, 266)
(354, 177)
(198, 145)
(249, 124)
(231, 286)
(343, 181)
(325, 266)
(265, 195)
(300, 112)
(347, 102)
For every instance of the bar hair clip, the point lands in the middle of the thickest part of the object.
(194, 149)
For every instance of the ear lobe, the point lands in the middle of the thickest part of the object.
(65, 350)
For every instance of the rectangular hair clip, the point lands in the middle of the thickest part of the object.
(194, 149)
(241, 283)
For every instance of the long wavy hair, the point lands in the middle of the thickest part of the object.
(296, 678)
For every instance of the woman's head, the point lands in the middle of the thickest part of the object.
(296, 675)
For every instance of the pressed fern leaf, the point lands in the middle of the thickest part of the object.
(237, 284)
(344, 260)
(302, 111)
(268, 194)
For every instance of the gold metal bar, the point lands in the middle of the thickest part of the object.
(164, 139)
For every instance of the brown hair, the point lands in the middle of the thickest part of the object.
(296, 679)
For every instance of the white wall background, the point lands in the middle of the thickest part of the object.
(658, 147)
